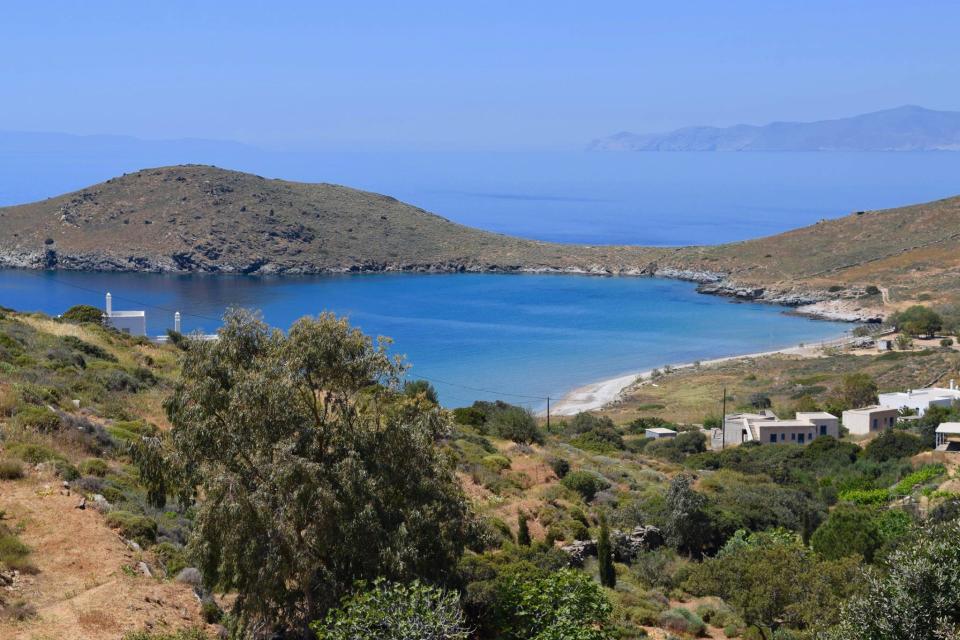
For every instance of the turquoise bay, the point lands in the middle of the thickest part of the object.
(475, 336)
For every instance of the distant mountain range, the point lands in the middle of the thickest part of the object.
(907, 128)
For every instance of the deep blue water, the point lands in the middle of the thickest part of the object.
(532, 335)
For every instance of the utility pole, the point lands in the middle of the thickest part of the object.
(548, 414)
(723, 421)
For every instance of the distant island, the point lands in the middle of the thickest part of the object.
(907, 128)
(201, 219)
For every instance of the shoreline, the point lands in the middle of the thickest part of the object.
(603, 393)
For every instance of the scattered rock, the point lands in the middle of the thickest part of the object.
(626, 546)
(190, 576)
(82, 504)
(144, 570)
(579, 551)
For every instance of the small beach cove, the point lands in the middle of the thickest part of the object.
(516, 338)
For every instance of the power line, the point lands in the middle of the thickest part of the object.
(479, 389)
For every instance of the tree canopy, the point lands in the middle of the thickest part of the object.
(315, 469)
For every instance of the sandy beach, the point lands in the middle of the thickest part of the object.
(597, 395)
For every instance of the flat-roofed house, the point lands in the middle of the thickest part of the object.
(870, 419)
(948, 436)
(767, 428)
(660, 432)
(922, 399)
(132, 322)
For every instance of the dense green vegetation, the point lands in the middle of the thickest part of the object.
(303, 476)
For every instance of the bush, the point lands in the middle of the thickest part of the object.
(394, 611)
(11, 470)
(94, 467)
(680, 620)
(182, 634)
(517, 424)
(86, 348)
(946, 342)
(871, 290)
(848, 530)
(33, 453)
(172, 557)
(13, 552)
(37, 419)
(585, 483)
(920, 476)
(865, 496)
(133, 526)
(83, 313)
(893, 444)
(496, 462)
(560, 466)
(470, 416)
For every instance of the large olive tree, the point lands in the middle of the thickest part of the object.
(312, 469)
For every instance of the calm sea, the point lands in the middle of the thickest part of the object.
(527, 335)
(475, 336)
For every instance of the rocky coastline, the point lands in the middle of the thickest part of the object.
(847, 305)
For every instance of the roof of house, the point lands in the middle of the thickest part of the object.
(923, 395)
(816, 415)
(871, 409)
(126, 314)
(661, 430)
(949, 427)
(783, 423)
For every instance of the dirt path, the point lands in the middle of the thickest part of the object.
(85, 588)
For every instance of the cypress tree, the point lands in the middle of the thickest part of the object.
(523, 532)
(608, 575)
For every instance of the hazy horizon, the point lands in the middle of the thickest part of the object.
(434, 76)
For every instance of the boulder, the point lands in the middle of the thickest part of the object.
(579, 550)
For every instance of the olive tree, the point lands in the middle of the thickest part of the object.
(915, 594)
(313, 468)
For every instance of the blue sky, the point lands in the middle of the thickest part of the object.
(463, 76)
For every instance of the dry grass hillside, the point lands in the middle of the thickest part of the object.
(201, 218)
(911, 251)
(204, 219)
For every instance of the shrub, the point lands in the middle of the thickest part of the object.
(585, 483)
(33, 453)
(38, 419)
(496, 462)
(680, 620)
(65, 471)
(893, 444)
(11, 470)
(920, 476)
(94, 467)
(182, 634)
(865, 496)
(517, 424)
(848, 530)
(871, 290)
(133, 526)
(83, 313)
(946, 342)
(560, 466)
(87, 348)
(172, 557)
(470, 416)
(394, 611)
(13, 552)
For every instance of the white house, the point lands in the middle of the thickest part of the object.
(132, 322)
(948, 436)
(921, 399)
(869, 419)
(767, 428)
(660, 432)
